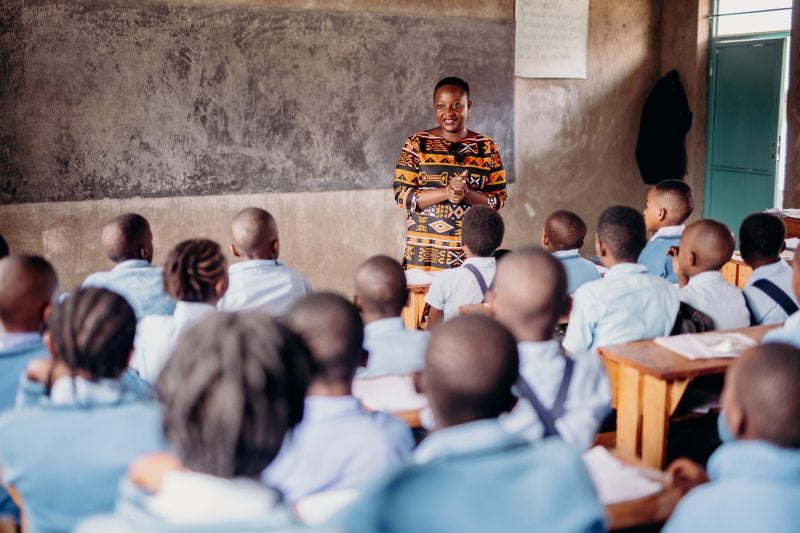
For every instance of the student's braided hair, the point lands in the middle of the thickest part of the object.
(231, 390)
(192, 268)
(93, 331)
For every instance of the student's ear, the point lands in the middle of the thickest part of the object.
(566, 310)
(235, 251)
(600, 248)
(783, 247)
(47, 310)
(693, 259)
(545, 239)
(357, 302)
(220, 286)
(418, 378)
(580, 244)
(364, 358)
(276, 248)
(662, 214)
(128, 359)
(735, 419)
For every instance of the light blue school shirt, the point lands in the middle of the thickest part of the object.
(763, 309)
(579, 270)
(788, 334)
(66, 459)
(392, 348)
(626, 305)
(140, 283)
(265, 284)
(755, 486)
(338, 445)
(478, 477)
(588, 400)
(654, 255)
(16, 351)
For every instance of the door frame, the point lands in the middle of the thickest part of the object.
(712, 90)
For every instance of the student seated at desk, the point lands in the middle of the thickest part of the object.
(563, 236)
(628, 304)
(481, 234)
(755, 479)
(27, 286)
(768, 291)
(338, 445)
(790, 332)
(560, 394)
(705, 247)
(261, 281)
(127, 241)
(83, 417)
(230, 392)
(668, 206)
(470, 474)
(195, 275)
(381, 293)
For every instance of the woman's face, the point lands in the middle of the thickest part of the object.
(451, 106)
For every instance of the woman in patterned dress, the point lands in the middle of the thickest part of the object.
(440, 173)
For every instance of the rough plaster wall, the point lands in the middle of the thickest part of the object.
(575, 142)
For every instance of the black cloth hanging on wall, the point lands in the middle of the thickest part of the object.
(666, 118)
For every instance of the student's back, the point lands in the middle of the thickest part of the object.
(128, 242)
(261, 281)
(790, 332)
(563, 236)
(66, 454)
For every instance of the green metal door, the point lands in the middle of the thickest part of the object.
(744, 119)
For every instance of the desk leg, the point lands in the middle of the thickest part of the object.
(628, 411)
(655, 421)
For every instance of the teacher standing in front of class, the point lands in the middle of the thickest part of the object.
(440, 173)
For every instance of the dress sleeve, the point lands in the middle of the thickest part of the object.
(406, 175)
(495, 188)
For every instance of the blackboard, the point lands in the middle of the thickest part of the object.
(121, 99)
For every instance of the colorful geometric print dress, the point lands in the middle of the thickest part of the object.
(427, 161)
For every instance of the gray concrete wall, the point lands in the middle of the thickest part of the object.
(575, 142)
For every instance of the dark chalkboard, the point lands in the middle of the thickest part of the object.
(128, 98)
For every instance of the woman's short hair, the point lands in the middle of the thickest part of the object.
(231, 390)
(93, 331)
(192, 268)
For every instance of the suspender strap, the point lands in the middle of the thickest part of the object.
(479, 278)
(549, 416)
(775, 292)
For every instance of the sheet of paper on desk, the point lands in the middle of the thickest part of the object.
(316, 509)
(416, 276)
(791, 213)
(392, 394)
(617, 482)
(707, 345)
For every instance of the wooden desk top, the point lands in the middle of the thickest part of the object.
(649, 358)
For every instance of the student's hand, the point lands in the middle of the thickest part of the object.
(148, 471)
(39, 370)
(685, 475)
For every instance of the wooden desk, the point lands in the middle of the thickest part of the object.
(415, 307)
(651, 510)
(792, 226)
(647, 383)
(736, 272)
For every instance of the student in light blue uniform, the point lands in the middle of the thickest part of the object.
(470, 474)
(627, 304)
(790, 332)
(231, 391)
(338, 445)
(754, 480)
(381, 293)
(559, 393)
(261, 281)
(768, 290)
(668, 206)
(128, 242)
(563, 236)
(27, 286)
(66, 449)
(195, 275)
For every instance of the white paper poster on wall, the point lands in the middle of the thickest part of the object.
(552, 38)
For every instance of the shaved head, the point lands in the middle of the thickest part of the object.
(530, 293)
(381, 287)
(711, 242)
(762, 393)
(255, 234)
(334, 333)
(127, 237)
(27, 285)
(565, 230)
(470, 366)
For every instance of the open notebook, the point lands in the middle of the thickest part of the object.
(617, 482)
(392, 394)
(707, 345)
